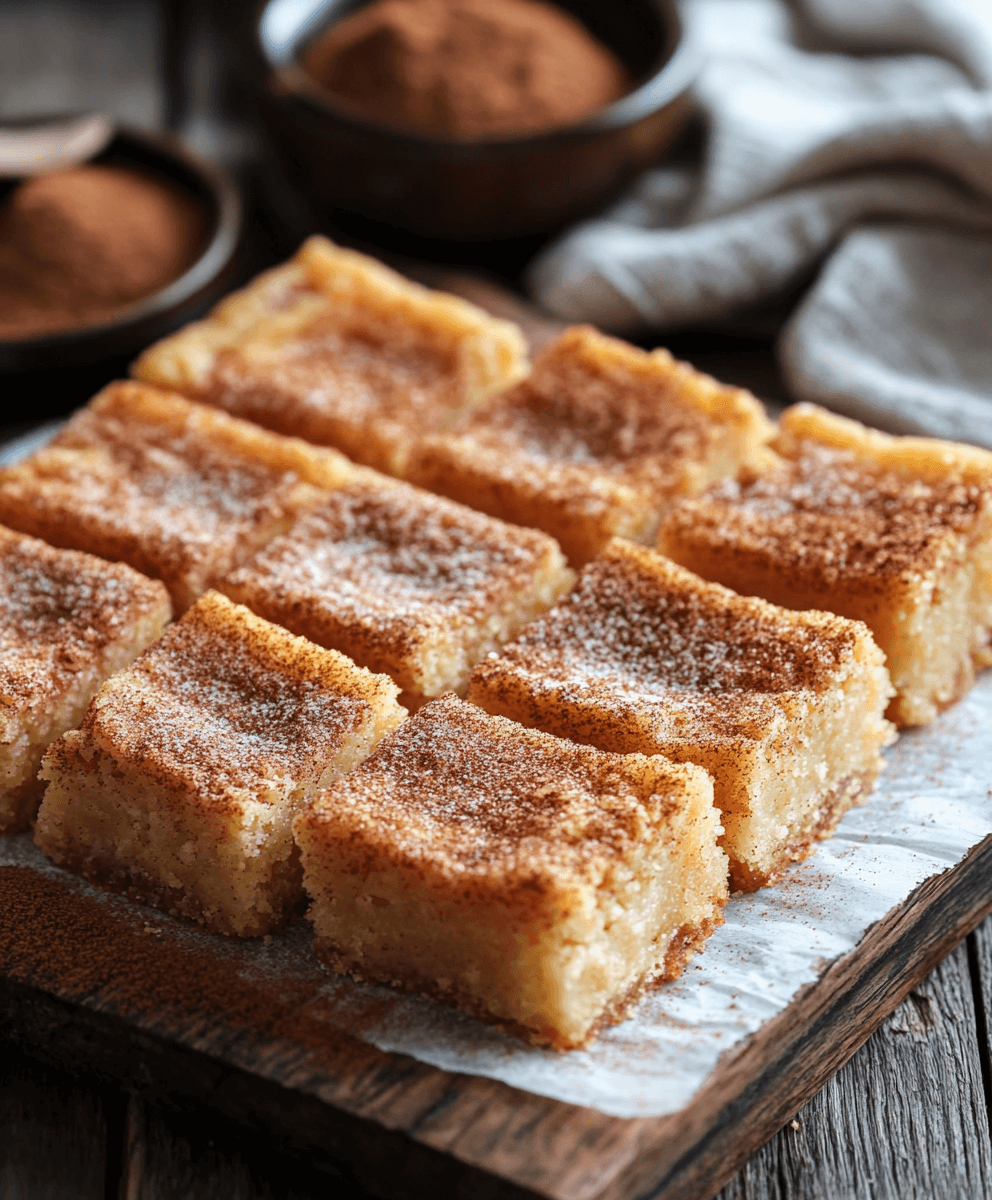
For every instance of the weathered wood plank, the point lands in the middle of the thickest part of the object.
(904, 1117)
(53, 1135)
(196, 1155)
(756, 1090)
(392, 1122)
(980, 955)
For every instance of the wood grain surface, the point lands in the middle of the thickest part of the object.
(389, 1123)
(53, 1135)
(906, 1118)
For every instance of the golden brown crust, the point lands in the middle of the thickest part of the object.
(177, 490)
(847, 508)
(335, 347)
(639, 629)
(60, 610)
(596, 441)
(478, 802)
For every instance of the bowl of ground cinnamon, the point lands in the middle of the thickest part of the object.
(97, 260)
(471, 119)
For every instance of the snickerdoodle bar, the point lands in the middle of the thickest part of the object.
(530, 881)
(336, 348)
(67, 621)
(893, 531)
(783, 708)
(180, 786)
(403, 582)
(597, 441)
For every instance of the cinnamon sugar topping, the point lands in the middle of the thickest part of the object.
(390, 557)
(327, 381)
(638, 623)
(468, 795)
(59, 611)
(597, 441)
(228, 707)
(593, 401)
(832, 515)
(177, 490)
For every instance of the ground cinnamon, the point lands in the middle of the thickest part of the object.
(470, 68)
(77, 246)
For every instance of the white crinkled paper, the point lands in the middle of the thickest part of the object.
(933, 804)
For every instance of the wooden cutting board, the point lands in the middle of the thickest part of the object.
(93, 981)
(97, 983)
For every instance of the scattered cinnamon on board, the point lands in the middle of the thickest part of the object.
(469, 68)
(77, 246)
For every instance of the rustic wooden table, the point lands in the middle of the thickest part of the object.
(907, 1117)
(910, 1115)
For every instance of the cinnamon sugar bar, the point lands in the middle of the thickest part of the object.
(783, 708)
(403, 582)
(178, 491)
(180, 787)
(597, 441)
(336, 348)
(893, 531)
(534, 883)
(67, 621)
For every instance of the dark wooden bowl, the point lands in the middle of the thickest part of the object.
(475, 189)
(57, 371)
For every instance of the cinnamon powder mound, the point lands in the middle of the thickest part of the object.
(469, 68)
(77, 246)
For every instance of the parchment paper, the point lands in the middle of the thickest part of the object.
(933, 803)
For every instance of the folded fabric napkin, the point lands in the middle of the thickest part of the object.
(848, 160)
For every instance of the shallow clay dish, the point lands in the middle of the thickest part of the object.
(56, 371)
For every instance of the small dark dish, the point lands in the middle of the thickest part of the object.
(57, 371)
(476, 189)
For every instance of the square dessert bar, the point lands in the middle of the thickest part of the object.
(336, 348)
(403, 582)
(893, 531)
(180, 787)
(178, 491)
(784, 709)
(534, 883)
(67, 621)
(597, 441)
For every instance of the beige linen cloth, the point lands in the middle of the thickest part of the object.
(848, 161)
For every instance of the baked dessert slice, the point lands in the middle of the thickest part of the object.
(597, 441)
(784, 709)
(403, 582)
(892, 531)
(67, 621)
(178, 491)
(336, 348)
(532, 882)
(180, 787)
